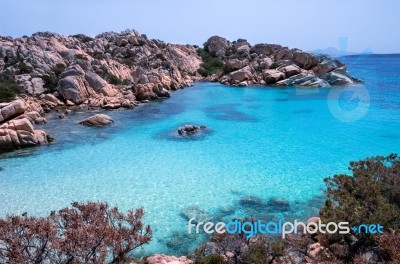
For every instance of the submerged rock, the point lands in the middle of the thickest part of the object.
(190, 130)
(98, 120)
(278, 204)
(195, 212)
(251, 201)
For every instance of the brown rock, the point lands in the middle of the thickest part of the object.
(273, 76)
(11, 110)
(98, 120)
(164, 259)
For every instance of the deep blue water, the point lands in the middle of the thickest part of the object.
(262, 141)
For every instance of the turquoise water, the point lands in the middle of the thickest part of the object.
(262, 141)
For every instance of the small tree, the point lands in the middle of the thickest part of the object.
(85, 233)
(371, 195)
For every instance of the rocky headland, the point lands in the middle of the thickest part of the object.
(50, 72)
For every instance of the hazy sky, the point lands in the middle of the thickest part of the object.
(307, 24)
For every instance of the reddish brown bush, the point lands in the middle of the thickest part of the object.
(84, 233)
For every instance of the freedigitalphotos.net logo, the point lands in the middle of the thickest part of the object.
(251, 228)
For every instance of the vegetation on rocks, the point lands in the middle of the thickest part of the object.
(51, 80)
(8, 87)
(211, 64)
(84, 233)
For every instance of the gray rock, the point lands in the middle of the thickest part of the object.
(273, 76)
(11, 110)
(190, 130)
(216, 45)
(97, 120)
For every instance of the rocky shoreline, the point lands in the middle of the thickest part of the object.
(49, 72)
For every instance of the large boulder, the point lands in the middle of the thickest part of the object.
(11, 110)
(327, 65)
(98, 120)
(265, 49)
(290, 70)
(304, 80)
(336, 79)
(216, 45)
(305, 60)
(272, 76)
(98, 84)
(77, 85)
(241, 75)
(20, 133)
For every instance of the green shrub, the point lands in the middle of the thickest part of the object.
(274, 65)
(210, 65)
(257, 254)
(211, 259)
(8, 88)
(58, 69)
(370, 195)
(115, 80)
(160, 56)
(83, 38)
(23, 68)
(50, 82)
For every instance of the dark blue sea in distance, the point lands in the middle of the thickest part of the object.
(262, 143)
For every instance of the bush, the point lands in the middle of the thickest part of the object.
(58, 69)
(83, 233)
(210, 65)
(211, 259)
(115, 80)
(371, 195)
(274, 65)
(8, 88)
(23, 68)
(83, 38)
(50, 82)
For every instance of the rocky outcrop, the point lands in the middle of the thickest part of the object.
(111, 70)
(98, 120)
(20, 133)
(16, 129)
(270, 64)
(122, 70)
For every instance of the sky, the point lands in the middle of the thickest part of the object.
(360, 25)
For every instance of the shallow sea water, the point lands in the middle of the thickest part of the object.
(261, 141)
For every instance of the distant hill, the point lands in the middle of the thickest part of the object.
(334, 52)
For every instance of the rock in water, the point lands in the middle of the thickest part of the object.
(190, 130)
(279, 204)
(20, 133)
(98, 120)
